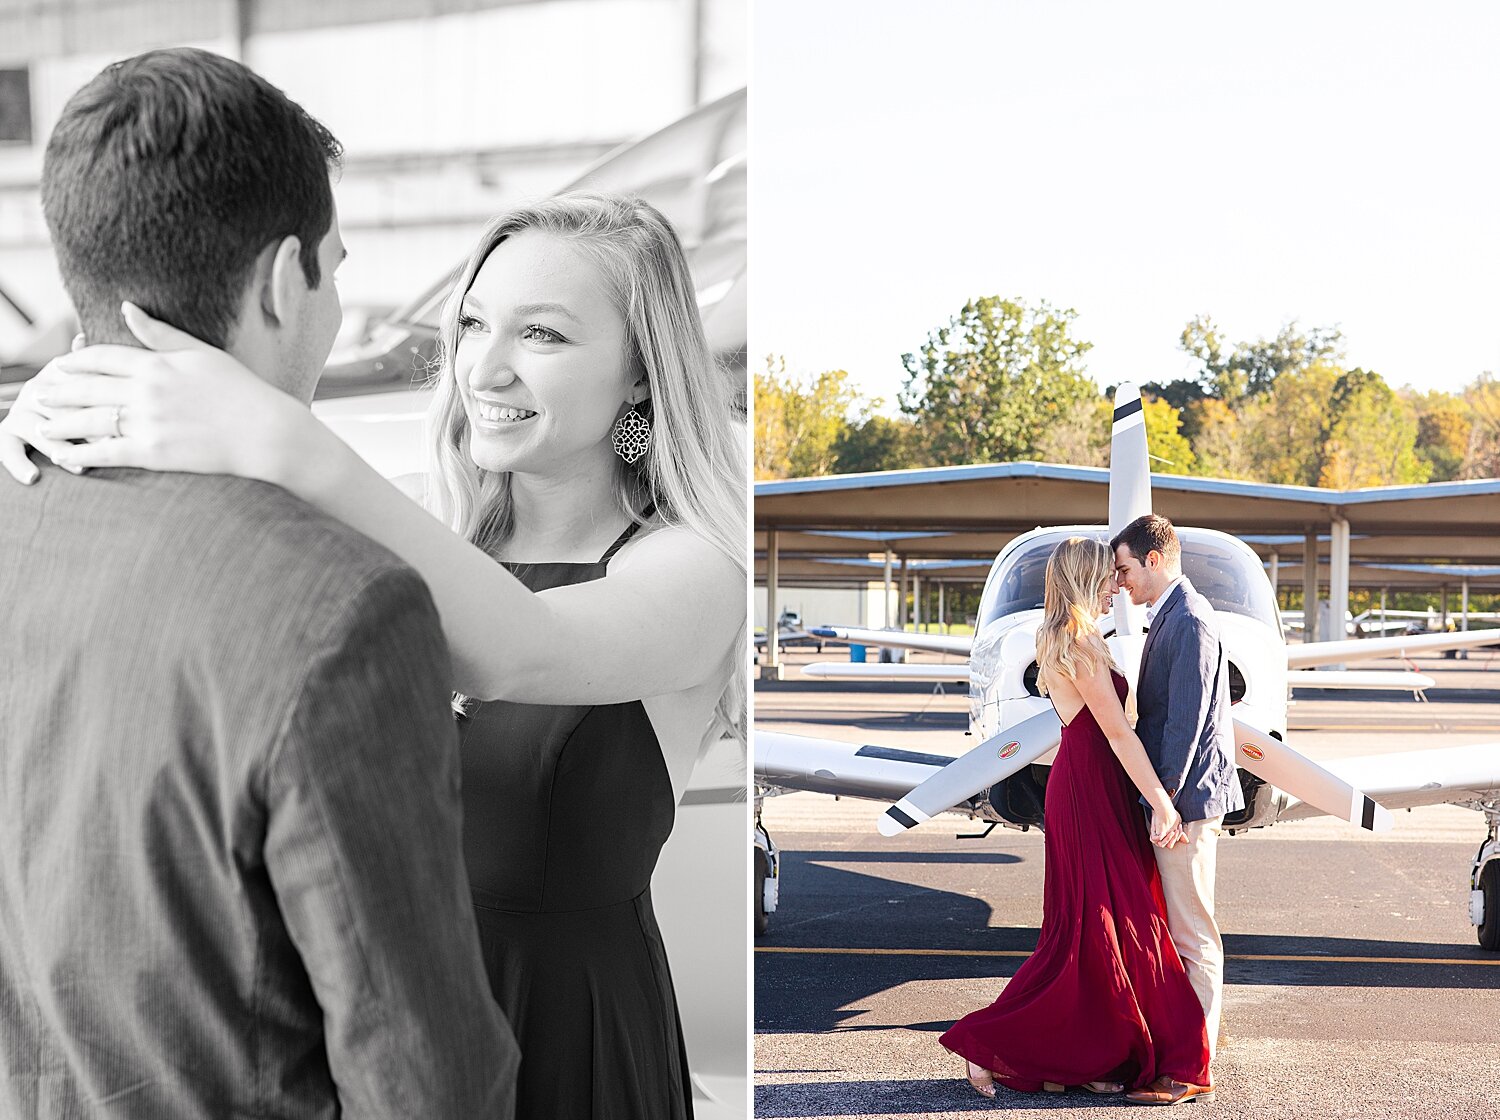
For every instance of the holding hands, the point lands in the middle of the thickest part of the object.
(177, 405)
(1166, 826)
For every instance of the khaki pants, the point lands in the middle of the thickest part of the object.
(1187, 881)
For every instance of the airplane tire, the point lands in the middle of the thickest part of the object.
(1489, 929)
(759, 872)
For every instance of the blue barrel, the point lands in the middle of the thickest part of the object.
(857, 653)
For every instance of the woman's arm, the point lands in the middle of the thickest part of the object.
(661, 621)
(1098, 692)
(638, 632)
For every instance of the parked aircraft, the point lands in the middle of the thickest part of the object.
(790, 631)
(1003, 780)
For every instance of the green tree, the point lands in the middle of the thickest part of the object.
(1251, 368)
(1370, 436)
(1218, 440)
(878, 443)
(988, 386)
(1482, 459)
(799, 420)
(1284, 428)
(1079, 436)
(1444, 425)
(1182, 393)
(1169, 449)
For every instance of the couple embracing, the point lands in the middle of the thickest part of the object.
(1125, 987)
(315, 799)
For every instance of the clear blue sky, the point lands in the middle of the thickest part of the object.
(1333, 163)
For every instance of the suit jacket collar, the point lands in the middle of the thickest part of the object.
(1176, 595)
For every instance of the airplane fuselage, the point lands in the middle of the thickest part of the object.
(1002, 662)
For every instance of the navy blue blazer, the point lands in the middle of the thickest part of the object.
(1182, 701)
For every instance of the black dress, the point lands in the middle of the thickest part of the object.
(565, 810)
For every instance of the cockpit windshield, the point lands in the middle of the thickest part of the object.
(1224, 571)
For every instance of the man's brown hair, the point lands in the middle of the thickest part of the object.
(1150, 533)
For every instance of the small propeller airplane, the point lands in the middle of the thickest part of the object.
(789, 631)
(1003, 780)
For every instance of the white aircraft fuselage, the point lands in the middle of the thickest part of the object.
(1002, 662)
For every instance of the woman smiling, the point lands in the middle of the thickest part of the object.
(582, 531)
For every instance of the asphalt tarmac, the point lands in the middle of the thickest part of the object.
(1354, 984)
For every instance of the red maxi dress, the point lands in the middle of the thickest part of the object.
(1104, 997)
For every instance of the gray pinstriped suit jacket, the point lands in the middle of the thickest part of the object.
(231, 880)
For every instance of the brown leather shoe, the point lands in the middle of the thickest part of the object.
(1166, 1091)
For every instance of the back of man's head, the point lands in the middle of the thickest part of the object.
(165, 178)
(1148, 533)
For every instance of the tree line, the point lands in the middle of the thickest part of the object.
(1005, 380)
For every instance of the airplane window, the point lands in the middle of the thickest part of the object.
(1023, 580)
(1229, 577)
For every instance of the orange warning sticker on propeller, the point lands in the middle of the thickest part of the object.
(1009, 749)
(1252, 751)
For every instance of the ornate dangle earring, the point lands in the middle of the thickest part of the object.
(631, 435)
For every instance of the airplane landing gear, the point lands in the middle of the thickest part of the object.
(765, 878)
(1484, 893)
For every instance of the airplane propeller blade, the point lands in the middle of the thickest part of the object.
(1271, 760)
(1129, 464)
(1129, 488)
(996, 758)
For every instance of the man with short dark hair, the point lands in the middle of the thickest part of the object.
(1182, 701)
(231, 875)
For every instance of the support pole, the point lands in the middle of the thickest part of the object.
(1338, 578)
(916, 600)
(885, 620)
(1310, 586)
(1275, 573)
(1464, 622)
(1443, 610)
(771, 669)
(901, 599)
(1382, 612)
(942, 619)
(241, 18)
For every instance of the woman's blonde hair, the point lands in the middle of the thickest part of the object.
(693, 473)
(1068, 642)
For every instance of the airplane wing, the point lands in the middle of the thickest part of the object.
(1364, 649)
(1408, 779)
(958, 671)
(1396, 680)
(895, 639)
(846, 769)
(785, 636)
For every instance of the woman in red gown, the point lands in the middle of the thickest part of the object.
(1104, 1000)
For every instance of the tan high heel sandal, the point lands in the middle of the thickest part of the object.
(980, 1078)
(1101, 1088)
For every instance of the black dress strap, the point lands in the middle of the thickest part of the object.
(630, 531)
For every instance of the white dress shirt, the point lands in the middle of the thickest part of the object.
(1160, 599)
